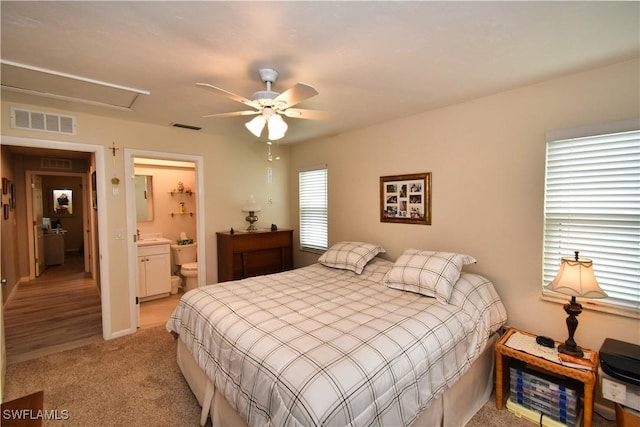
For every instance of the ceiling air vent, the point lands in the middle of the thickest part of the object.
(55, 163)
(46, 122)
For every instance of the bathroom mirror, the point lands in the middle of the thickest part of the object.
(62, 201)
(144, 197)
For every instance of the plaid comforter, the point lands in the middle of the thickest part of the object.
(322, 346)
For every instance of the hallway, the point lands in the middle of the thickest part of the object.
(57, 311)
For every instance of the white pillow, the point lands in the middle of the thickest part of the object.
(352, 256)
(428, 273)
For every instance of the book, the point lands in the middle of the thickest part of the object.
(583, 363)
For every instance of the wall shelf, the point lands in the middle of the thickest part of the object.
(188, 193)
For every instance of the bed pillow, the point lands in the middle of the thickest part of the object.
(352, 256)
(428, 273)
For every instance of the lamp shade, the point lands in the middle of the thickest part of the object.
(576, 278)
(277, 127)
(256, 125)
(251, 205)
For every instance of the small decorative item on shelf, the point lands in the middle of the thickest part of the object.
(180, 187)
(181, 207)
(274, 227)
(184, 240)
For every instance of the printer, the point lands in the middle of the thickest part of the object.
(620, 372)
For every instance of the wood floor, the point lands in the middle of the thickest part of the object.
(157, 312)
(61, 310)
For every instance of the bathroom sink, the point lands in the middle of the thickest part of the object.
(148, 241)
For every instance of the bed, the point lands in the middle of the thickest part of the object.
(342, 343)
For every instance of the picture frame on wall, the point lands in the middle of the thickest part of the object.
(406, 199)
(5, 185)
(94, 191)
(5, 210)
(12, 196)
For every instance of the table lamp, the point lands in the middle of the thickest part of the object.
(251, 207)
(575, 278)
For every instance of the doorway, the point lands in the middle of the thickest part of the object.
(97, 227)
(59, 230)
(194, 218)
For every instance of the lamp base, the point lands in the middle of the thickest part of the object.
(573, 309)
(574, 351)
(251, 218)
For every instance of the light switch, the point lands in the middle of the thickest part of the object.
(119, 234)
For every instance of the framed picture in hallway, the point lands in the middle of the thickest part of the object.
(406, 198)
(61, 202)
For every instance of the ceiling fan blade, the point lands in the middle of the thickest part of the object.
(233, 114)
(229, 95)
(301, 113)
(295, 95)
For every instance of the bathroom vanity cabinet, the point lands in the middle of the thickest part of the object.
(154, 271)
(247, 254)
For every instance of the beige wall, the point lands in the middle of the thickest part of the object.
(165, 179)
(487, 162)
(232, 171)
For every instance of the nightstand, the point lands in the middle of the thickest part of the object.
(504, 354)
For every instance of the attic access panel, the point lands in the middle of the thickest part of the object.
(53, 84)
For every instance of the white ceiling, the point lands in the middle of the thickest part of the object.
(370, 61)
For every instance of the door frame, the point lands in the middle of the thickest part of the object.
(103, 246)
(31, 236)
(198, 161)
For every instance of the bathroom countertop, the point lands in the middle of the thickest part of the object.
(148, 241)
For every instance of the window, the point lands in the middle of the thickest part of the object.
(592, 205)
(313, 209)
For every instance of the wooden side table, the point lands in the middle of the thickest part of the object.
(503, 353)
(30, 404)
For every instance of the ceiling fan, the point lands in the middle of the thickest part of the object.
(270, 106)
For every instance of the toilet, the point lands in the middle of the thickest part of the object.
(186, 257)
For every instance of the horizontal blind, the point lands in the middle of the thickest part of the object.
(592, 205)
(313, 209)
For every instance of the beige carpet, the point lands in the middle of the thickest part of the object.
(129, 381)
(135, 381)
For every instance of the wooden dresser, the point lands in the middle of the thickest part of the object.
(246, 254)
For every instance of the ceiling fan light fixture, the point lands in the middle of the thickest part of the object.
(277, 127)
(256, 125)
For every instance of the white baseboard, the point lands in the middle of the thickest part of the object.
(121, 333)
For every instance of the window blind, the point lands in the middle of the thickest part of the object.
(592, 205)
(313, 188)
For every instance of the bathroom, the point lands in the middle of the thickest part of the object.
(166, 207)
